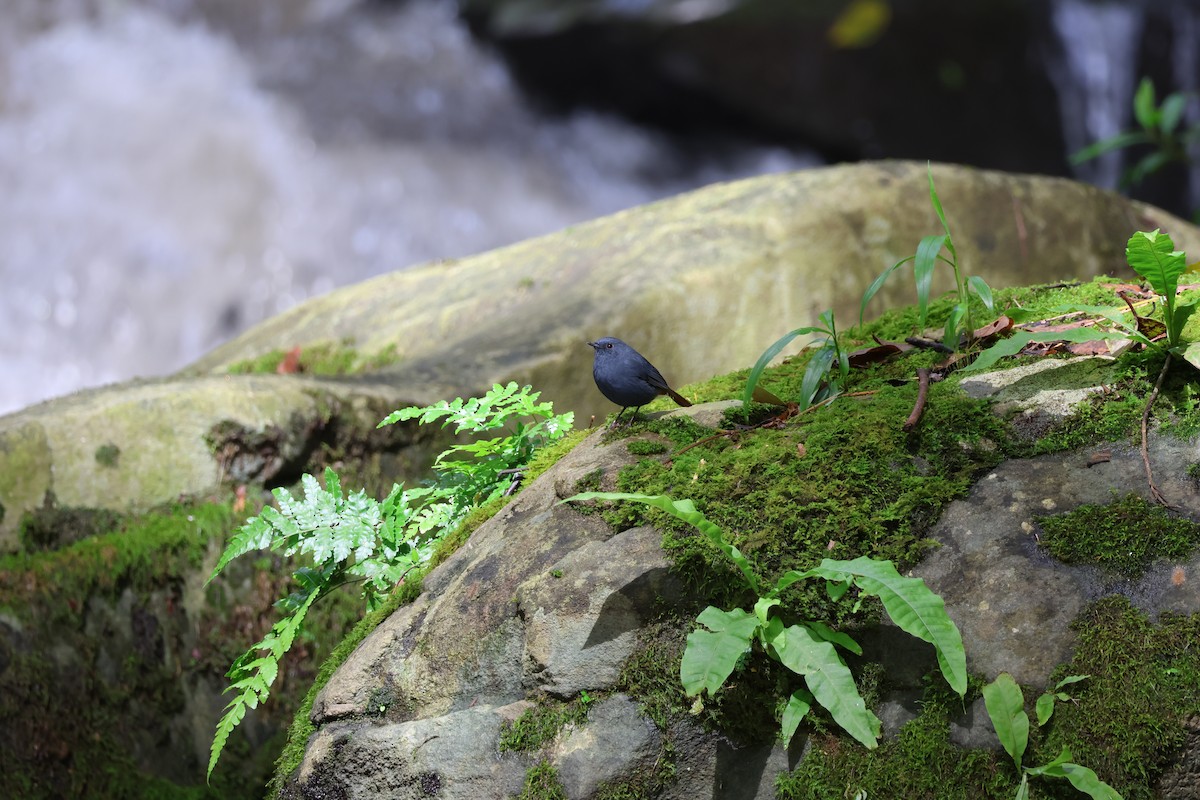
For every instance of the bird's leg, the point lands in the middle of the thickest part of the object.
(617, 418)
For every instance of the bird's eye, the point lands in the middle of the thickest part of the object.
(608, 345)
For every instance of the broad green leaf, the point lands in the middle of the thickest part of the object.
(711, 655)
(1086, 781)
(1023, 789)
(823, 631)
(1171, 111)
(877, 284)
(1052, 769)
(1006, 706)
(1044, 708)
(912, 606)
(827, 677)
(923, 264)
(1153, 256)
(1144, 109)
(683, 510)
(769, 354)
(1182, 313)
(797, 707)
(1017, 342)
(1191, 354)
(1070, 679)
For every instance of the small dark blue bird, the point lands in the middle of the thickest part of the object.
(626, 378)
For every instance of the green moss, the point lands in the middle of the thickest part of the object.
(542, 783)
(646, 447)
(321, 358)
(141, 553)
(1127, 721)
(53, 526)
(1123, 536)
(920, 763)
(76, 700)
(539, 725)
(107, 455)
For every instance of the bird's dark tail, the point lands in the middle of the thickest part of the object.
(678, 398)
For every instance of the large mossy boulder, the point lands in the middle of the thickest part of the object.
(543, 657)
(702, 283)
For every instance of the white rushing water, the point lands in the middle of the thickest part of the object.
(168, 178)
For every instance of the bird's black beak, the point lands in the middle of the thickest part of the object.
(592, 345)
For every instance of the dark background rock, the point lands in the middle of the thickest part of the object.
(985, 83)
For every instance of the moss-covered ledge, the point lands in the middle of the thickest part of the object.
(847, 480)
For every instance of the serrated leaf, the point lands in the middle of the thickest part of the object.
(1006, 707)
(711, 655)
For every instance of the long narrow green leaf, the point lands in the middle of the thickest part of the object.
(941, 214)
(923, 264)
(979, 286)
(683, 510)
(912, 606)
(1118, 142)
(877, 284)
(711, 655)
(1018, 341)
(814, 373)
(827, 677)
(769, 354)
(1006, 706)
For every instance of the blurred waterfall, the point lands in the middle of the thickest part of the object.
(174, 171)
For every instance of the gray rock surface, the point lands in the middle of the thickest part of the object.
(540, 601)
(1012, 602)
